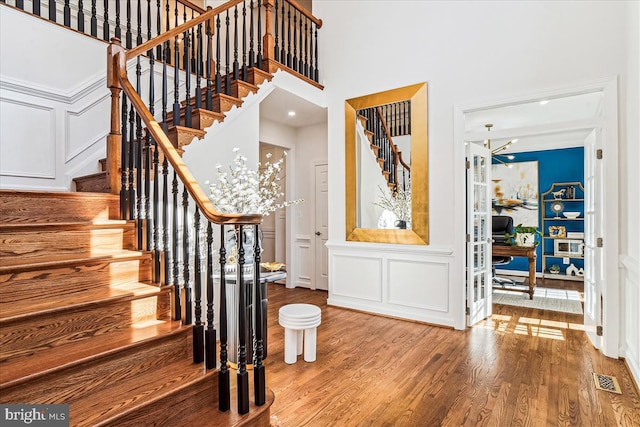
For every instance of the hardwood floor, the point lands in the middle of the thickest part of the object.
(523, 367)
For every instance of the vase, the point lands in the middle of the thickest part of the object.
(525, 239)
(401, 224)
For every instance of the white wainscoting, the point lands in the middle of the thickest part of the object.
(403, 281)
(32, 123)
(304, 262)
(631, 280)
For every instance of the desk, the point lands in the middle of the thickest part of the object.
(530, 253)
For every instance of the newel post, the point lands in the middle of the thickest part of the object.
(267, 39)
(116, 60)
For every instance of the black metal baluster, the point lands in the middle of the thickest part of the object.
(198, 327)
(315, 70)
(259, 58)
(175, 251)
(185, 54)
(158, 27)
(20, 4)
(80, 15)
(310, 35)
(283, 52)
(224, 384)
(150, 52)
(35, 7)
(124, 166)
(227, 79)
(94, 19)
(148, 142)
(186, 246)
(244, 41)
(235, 44)
(259, 380)
(218, 76)
(118, 30)
(165, 85)
(300, 63)
(67, 13)
(167, 27)
(156, 215)
(288, 64)
(408, 118)
(132, 191)
(276, 50)
(128, 33)
(243, 305)
(105, 28)
(52, 10)
(139, 17)
(210, 332)
(199, 67)
(209, 102)
(138, 164)
(176, 80)
(166, 255)
(193, 45)
(251, 36)
(187, 80)
(305, 70)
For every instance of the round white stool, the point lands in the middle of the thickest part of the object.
(299, 319)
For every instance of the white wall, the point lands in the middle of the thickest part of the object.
(55, 117)
(468, 51)
(630, 185)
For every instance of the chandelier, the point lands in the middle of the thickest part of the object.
(503, 159)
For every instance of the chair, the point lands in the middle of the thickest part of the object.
(500, 225)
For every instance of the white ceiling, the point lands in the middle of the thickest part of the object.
(537, 125)
(278, 103)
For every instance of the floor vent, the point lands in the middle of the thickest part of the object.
(606, 383)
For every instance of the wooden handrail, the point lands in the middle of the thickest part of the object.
(300, 9)
(153, 127)
(192, 6)
(388, 134)
(168, 35)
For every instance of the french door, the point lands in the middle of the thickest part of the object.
(479, 283)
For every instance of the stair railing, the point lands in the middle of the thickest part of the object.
(133, 21)
(146, 159)
(384, 122)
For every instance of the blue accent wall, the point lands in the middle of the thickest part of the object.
(563, 165)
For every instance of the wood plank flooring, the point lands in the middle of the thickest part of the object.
(522, 367)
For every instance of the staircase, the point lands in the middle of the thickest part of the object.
(82, 323)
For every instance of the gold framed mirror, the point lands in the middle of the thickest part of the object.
(358, 183)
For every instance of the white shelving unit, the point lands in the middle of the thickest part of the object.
(558, 247)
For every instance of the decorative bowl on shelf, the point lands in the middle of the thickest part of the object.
(271, 266)
(554, 269)
(571, 215)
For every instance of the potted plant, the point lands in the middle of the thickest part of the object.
(523, 236)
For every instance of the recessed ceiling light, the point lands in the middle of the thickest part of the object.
(544, 102)
(291, 113)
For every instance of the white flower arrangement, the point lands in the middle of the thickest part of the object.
(398, 203)
(246, 191)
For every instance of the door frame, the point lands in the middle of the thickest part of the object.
(608, 123)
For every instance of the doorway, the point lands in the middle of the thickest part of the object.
(603, 296)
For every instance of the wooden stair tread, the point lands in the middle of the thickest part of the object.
(13, 226)
(18, 370)
(18, 306)
(127, 396)
(8, 265)
(90, 176)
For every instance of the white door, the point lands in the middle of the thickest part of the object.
(321, 265)
(479, 284)
(593, 229)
